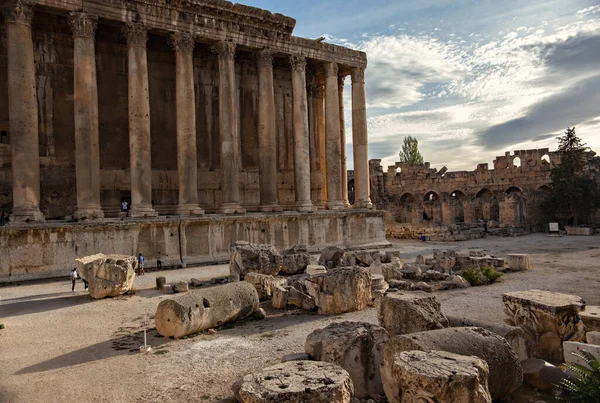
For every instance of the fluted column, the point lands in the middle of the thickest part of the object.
(267, 136)
(229, 130)
(185, 103)
(341, 79)
(360, 140)
(320, 126)
(23, 114)
(301, 140)
(139, 123)
(332, 138)
(87, 150)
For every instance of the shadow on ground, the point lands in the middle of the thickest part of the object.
(41, 303)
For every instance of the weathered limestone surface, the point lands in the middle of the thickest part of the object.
(548, 319)
(356, 347)
(409, 312)
(108, 275)
(540, 374)
(199, 310)
(331, 257)
(341, 290)
(295, 260)
(435, 376)
(518, 262)
(265, 285)
(247, 257)
(506, 373)
(296, 382)
(572, 348)
(360, 140)
(593, 338)
(579, 231)
(591, 318)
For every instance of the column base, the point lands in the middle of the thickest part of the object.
(89, 212)
(189, 209)
(27, 216)
(336, 205)
(231, 208)
(271, 208)
(363, 204)
(305, 206)
(142, 211)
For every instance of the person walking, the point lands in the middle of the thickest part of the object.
(73, 279)
(2, 218)
(141, 264)
(158, 261)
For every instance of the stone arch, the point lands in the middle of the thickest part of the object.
(484, 193)
(487, 206)
(431, 196)
(458, 195)
(544, 188)
(516, 162)
(513, 190)
(407, 198)
(398, 171)
(457, 200)
(406, 208)
(545, 159)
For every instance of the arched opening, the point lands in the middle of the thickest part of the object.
(458, 195)
(544, 188)
(513, 190)
(406, 209)
(431, 196)
(398, 171)
(432, 207)
(407, 198)
(484, 193)
(457, 208)
(486, 207)
(517, 162)
(351, 191)
(545, 159)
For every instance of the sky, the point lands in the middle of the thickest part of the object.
(470, 79)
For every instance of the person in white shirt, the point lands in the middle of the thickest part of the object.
(125, 207)
(73, 279)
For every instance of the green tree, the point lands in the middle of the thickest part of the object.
(410, 151)
(573, 192)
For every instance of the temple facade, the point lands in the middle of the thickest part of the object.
(177, 107)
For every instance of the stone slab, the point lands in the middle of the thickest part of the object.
(571, 347)
(593, 338)
(591, 318)
(552, 302)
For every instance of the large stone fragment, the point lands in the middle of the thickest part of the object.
(435, 376)
(409, 312)
(280, 297)
(547, 318)
(591, 318)
(506, 373)
(540, 374)
(199, 310)
(378, 284)
(107, 275)
(356, 347)
(246, 258)
(411, 271)
(593, 338)
(364, 258)
(264, 284)
(296, 382)
(393, 270)
(518, 262)
(514, 335)
(331, 257)
(295, 260)
(341, 290)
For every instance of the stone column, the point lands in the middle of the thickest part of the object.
(301, 141)
(341, 79)
(139, 123)
(187, 166)
(320, 117)
(360, 140)
(229, 130)
(23, 114)
(267, 136)
(87, 150)
(332, 138)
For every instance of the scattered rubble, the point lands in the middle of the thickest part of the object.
(590, 315)
(264, 284)
(295, 260)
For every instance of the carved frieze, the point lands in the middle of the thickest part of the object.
(225, 50)
(83, 24)
(137, 34)
(182, 42)
(19, 12)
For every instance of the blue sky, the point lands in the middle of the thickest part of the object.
(470, 79)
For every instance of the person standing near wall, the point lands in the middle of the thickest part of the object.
(158, 261)
(141, 264)
(73, 279)
(2, 218)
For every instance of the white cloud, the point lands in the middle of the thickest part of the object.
(589, 10)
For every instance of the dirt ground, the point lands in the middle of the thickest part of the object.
(64, 346)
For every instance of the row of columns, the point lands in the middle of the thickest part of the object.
(24, 124)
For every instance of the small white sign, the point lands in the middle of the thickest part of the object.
(553, 227)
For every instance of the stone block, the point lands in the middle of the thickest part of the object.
(264, 284)
(435, 376)
(296, 382)
(299, 299)
(411, 271)
(518, 262)
(506, 374)
(547, 318)
(571, 348)
(364, 258)
(409, 312)
(378, 284)
(392, 270)
(341, 290)
(295, 357)
(400, 285)
(591, 318)
(180, 287)
(390, 255)
(356, 347)
(167, 289)
(541, 375)
(252, 258)
(295, 260)
(433, 275)
(280, 297)
(331, 257)
(593, 338)
(582, 231)
(314, 270)
(107, 275)
(160, 282)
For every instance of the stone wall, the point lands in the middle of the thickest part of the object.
(49, 250)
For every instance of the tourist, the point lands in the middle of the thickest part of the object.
(86, 285)
(141, 264)
(158, 261)
(2, 218)
(125, 207)
(73, 278)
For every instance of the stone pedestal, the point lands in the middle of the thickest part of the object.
(301, 144)
(229, 130)
(187, 168)
(87, 151)
(23, 114)
(360, 140)
(139, 123)
(333, 149)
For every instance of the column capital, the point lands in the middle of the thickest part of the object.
(298, 63)
(331, 69)
(83, 24)
(19, 12)
(264, 57)
(225, 50)
(320, 91)
(341, 80)
(182, 42)
(358, 75)
(137, 34)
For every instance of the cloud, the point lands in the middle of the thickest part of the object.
(588, 11)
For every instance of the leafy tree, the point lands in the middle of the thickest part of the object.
(410, 151)
(573, 192)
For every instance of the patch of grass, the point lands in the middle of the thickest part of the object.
(472, 275)
(475, 276)
(491, 273)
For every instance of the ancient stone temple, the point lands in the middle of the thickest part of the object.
(178, 107)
